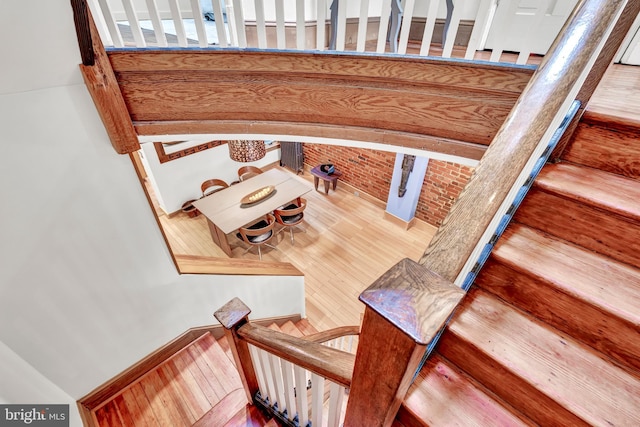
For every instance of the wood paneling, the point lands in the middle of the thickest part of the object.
(455, 101)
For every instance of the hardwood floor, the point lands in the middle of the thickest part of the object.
(347, 245)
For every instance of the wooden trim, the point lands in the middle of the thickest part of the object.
(83, 31)
(597, 72)
(140, 173)
(105, 92)
(519, 137)
(163, 157)
(109, 389)
(428, 143)
(193, 264)
(333, 364)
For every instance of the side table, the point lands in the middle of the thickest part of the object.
(326, 178)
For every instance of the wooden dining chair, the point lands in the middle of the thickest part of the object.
(212, 185)
(246, 172)
(258, 234)
(291, 215)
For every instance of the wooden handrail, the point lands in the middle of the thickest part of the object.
(332, 334)
(540, 103)
(333, 364)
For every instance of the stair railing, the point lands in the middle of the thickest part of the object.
(123, 23)
(291, 378)
(404, 310)
(343, 338)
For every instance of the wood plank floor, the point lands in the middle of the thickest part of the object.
(347, 245)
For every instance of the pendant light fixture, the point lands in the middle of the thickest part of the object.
(246, 150)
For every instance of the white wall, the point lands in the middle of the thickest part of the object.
(178, 181)
(20, 383)
(87, 286)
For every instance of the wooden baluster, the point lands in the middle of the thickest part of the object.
(317, 399)
(218, 16)
(363, 20)
(289, 388)
(336, 395)
(281, 34)
(198, 18)
(301, 395)
(110, 21)
(385, 14)
(261, 28)
(257, 366)
(176, 15)
(406, 26)
(321, 23)
(476, 40)
(301, 41)
(432, 13)
(156, 21)
(405, 308)
(232, 315)
(134, 23)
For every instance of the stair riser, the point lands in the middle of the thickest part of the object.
(509, 387)
(620, 154)
(600, 330)
(591, 228)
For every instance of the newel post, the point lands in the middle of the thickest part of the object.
(232, 316)
(405, 308)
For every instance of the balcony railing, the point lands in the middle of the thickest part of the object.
(490, 30)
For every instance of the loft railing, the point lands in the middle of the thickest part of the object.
(468, 29)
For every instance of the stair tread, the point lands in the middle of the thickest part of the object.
(574, 221)
(593, 187)
(290, 328)
(439, 384)
(565, 371)
(610, 285)
(306, 327)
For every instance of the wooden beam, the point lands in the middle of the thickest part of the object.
(440, 104)
(105, 92)
(400, 139)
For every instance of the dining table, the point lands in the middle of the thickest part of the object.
(229, 209)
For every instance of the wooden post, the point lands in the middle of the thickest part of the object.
(232, 315)
(405, 309)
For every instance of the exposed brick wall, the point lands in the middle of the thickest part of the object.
(367, 170)
(370, 171)
(442, 185)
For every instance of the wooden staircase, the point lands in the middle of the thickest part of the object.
(550, 332)
(198, 386)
